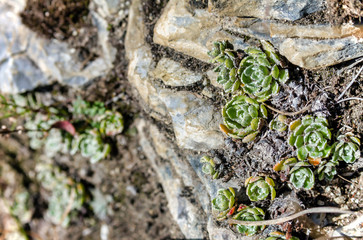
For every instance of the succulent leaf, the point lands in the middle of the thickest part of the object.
(310, 136)
(327, 170)
(209, 167)
(259, 188)
(249, 214)
(302, 176)
(279, 123)
(223, 54)
(225, 199)
(347, 148)
(111, 123)
(243, 118)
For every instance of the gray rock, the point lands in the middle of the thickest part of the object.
(195, 121)
(265, 9)
(166, 150)
(313, 54)
(141, 64)
(191, 33)
(43, 60)
(188, 215)
(174, 74)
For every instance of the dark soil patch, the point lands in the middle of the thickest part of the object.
(65, 20)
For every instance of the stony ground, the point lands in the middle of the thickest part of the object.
(152, 183)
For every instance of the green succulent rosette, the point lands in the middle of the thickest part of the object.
(258, 188)
(347, 148)
(91, 145)
(311, 136)
(224, 54)
(225, 199)
(327, 170)
(111, 123)
(209, 167)
(279, 123)
(279, 236)
(243, 118)
(260, 72)
(250, 214)
(301, 176)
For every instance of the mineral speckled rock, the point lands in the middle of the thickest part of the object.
(191, 33)
(265, 9)
(195, 121)
(188, 215)
(174, 74)
(313, 54)
(141, 63)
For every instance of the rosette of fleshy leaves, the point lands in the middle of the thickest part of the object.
(224, 202)
(311, 136)
(224, 54)
(279, 123)
(301, 176)
(66, 196)
(347, 148)
(111, 123)
(243, 118)
(247, 213)
(209, 167)
(261, 71)
(280, 236)
(258, 188)
(327, 170)
(91, 145)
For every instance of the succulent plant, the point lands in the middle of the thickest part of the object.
(243, 118)
(66, 195)
(91, 145)
(209, 167)
(250, 214)
(111, 123)
(225, 199)
(280, 236)
(258, 188)
(301, 176)
(223, 54)
(327, 170)
(347, 148)
(260, 72)
(279, 123)
(311, 135)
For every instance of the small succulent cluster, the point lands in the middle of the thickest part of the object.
(280, 236)
(258, 188)
(90, 125)
(247, 213)
(279, 123)
(224, 200)
(256, 73)
(66, 196)
(243, 118)
(209, 167)
(312, 137)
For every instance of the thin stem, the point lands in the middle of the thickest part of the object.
(351, 83)
(307, 107)
(291, 217)
(351, 98)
